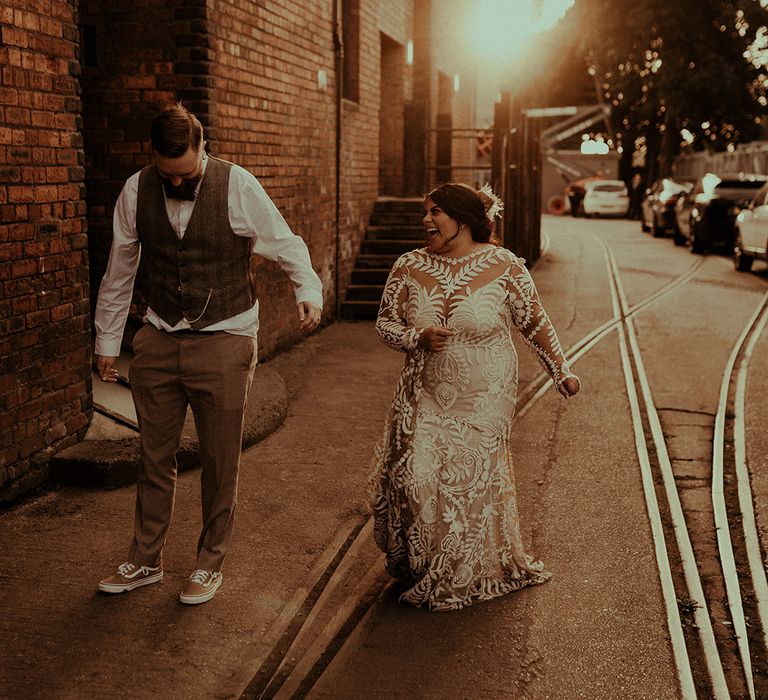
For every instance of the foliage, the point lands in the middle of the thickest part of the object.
(665, 67)
(677, 74)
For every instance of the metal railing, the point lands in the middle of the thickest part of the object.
(508, 157)
(441, 152)
(746, 158)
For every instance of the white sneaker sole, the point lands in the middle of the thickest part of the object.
(125, 587)
(203, 597)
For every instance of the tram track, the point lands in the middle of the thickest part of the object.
(306, 646)
(732, 503)
(685, 545)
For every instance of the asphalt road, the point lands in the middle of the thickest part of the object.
(597, 630)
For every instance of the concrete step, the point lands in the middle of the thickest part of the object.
(398, 204)
(387, 246)
(390, 218)
(365, 292)
(399, 232)
(370, 275)
(359, 310)
(379, 260)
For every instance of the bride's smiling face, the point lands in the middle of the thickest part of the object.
(440, 227)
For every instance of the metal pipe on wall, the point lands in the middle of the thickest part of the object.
(338, 57)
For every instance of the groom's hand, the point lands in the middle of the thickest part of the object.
(105, 366)
(309, 316)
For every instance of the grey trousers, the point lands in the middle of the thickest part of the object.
(212, 373)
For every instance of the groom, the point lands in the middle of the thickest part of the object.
(196, 220)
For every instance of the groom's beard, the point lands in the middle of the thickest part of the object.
(186, 190)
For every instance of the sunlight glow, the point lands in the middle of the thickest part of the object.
(502, 30)
(594, 146)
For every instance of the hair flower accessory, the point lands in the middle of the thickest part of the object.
(493, 204)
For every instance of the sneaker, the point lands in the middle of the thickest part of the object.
(201, 587)
(130, 576)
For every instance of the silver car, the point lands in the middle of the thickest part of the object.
(752, 232)
(605, 197)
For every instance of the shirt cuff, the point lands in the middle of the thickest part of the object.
(107, 348)
(311, 296)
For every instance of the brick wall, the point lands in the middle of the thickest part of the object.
(44, 317)
(135, 59)
(275, 117)
(360, 136)
(261, 77)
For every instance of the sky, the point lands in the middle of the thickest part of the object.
(499, 33)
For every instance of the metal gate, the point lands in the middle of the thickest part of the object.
(507, 156)
(516, 177)
(456, 155)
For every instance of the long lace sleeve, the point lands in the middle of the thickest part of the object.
(534, 325)
(391, 324)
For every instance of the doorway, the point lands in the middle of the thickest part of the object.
(391, 117)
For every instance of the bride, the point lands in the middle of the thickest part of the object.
(443, 491)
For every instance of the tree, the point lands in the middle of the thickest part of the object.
(665, 67)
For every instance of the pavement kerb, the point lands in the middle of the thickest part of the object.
(113, 461)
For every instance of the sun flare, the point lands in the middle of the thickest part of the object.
(503, 30)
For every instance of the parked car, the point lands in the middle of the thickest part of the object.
(605, 197)
(752, 232)
(706, 215)
(574, 193)
(657, 210)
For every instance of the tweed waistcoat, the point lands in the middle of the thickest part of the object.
(204, 276)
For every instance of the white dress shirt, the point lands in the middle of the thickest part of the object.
(251, 213)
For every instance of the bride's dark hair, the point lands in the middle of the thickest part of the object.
(465, 204)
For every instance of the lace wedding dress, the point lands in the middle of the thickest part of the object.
(443, 491)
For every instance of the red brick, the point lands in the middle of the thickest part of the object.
(24, 268)
(12, 36)
(31, 445)
(11, 251)
(37, 318)
(46, 193)
(59, 313)
(23, 305)
(21, 193)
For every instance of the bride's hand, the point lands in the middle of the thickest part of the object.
(434, 338)
(570, 386)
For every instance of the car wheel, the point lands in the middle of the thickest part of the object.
(743, 263)
(694, 241)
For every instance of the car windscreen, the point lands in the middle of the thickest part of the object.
(737, 189)
(674, 187)
(609, 188)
